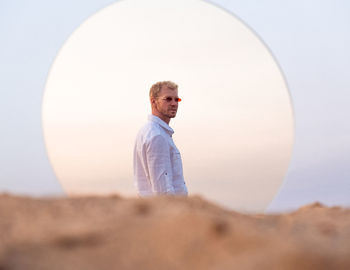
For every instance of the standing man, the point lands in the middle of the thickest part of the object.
(157, 161)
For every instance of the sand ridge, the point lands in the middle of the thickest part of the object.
(166, 232)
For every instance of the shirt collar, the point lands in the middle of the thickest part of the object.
(159, 121)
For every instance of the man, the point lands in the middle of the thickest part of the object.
(157, 161)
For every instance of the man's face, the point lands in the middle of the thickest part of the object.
(165, 103)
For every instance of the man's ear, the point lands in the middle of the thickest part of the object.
(153, 101)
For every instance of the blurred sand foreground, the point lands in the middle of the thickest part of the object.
(166, 233)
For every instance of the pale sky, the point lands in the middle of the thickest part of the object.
(309, 41)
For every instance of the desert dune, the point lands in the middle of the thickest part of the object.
(166, 232)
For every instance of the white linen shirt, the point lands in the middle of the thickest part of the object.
(157, 161)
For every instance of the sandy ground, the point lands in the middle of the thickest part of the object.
(166, 233)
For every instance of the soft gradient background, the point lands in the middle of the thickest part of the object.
(309, 40)
(234, 127)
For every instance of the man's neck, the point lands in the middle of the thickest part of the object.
(162, 117)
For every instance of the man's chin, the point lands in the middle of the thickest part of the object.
(172, 114)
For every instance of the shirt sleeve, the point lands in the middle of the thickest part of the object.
(180, 188)
(159, 165)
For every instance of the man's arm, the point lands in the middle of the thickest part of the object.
(159, 165)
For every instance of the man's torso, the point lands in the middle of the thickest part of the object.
(156, 128)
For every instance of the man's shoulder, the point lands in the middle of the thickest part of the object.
(149, 131)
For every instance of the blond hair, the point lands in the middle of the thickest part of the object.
(155, 89)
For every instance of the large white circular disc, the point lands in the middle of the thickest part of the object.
(234, 127)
